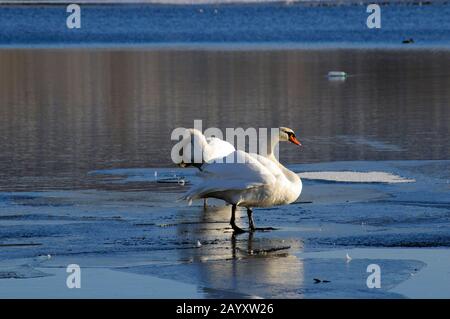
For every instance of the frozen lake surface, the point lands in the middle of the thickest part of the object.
(134, 239)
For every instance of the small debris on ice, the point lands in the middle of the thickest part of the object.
(348, 258)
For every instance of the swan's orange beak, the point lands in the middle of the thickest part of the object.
(294, 140)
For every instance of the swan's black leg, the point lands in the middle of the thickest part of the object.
(205, 203)
(236, 229)
(251, 223)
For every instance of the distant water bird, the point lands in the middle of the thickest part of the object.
(253, 181)
(199, 244)
(407, 41)
(318, 281)
(209, 148)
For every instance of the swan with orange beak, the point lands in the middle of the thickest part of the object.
(255, 181)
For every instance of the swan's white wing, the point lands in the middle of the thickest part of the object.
(270, 165)
(217, 149)
(234, 176)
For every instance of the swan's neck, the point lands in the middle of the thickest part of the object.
(273, 142)
(271, 145)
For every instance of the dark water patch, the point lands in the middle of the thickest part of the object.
(435, 169)
(375, 144)
(388, 240)
(21, 272)
(21, 232)
(5, 197)
(20, 244)
(34, 201)
(403, 219)
(144, 224)
(435, 203)
(62, 218)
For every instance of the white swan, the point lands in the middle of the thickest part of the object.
(202, 149)
(257, 181)
(209, 148)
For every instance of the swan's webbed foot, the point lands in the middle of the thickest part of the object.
(237, 229)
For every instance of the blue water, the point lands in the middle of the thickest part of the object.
(269, 24)
(145, 230)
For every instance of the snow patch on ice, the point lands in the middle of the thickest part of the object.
(355, 177)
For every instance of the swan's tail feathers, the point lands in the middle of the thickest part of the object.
(195, 193)
(188, 197)
(204, 191)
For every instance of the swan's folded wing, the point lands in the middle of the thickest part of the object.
(270, 165)
(225, 176)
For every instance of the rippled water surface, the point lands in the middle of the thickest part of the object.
(276, 24)
(66, 112)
